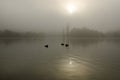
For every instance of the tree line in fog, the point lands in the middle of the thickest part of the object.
(9, 33)
(85, 32)
(75, 32)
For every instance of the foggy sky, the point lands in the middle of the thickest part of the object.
(49, 15)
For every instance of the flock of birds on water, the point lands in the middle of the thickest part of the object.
(62, 44)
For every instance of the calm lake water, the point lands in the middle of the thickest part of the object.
(85, 59)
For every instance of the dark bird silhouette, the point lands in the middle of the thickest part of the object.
(62, 44)
(66, 45)
(46, 46)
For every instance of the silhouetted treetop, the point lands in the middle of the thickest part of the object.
(85, 32)
(9, 33)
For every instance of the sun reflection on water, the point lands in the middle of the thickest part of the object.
(71, 68)
(70, 61)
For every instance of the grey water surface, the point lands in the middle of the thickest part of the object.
(84, 59)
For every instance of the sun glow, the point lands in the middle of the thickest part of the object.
(71, 8)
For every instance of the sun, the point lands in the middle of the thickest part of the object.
(71, 8)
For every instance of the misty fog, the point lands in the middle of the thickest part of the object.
(50, 15)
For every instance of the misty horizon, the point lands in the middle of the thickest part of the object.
(51, 16)
(59, 39)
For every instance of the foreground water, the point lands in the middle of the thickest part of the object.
(85, 59)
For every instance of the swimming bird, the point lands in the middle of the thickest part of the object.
(46, 46)
(66, 45)
(62, 44)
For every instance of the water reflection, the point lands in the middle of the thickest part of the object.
(84, 42)
(71, 68)
(71, 62)
(8, 41)
(114, 40)
(30, 60)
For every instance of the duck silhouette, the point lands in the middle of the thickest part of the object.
(46, 46)
(62, 44)
(66, 45)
